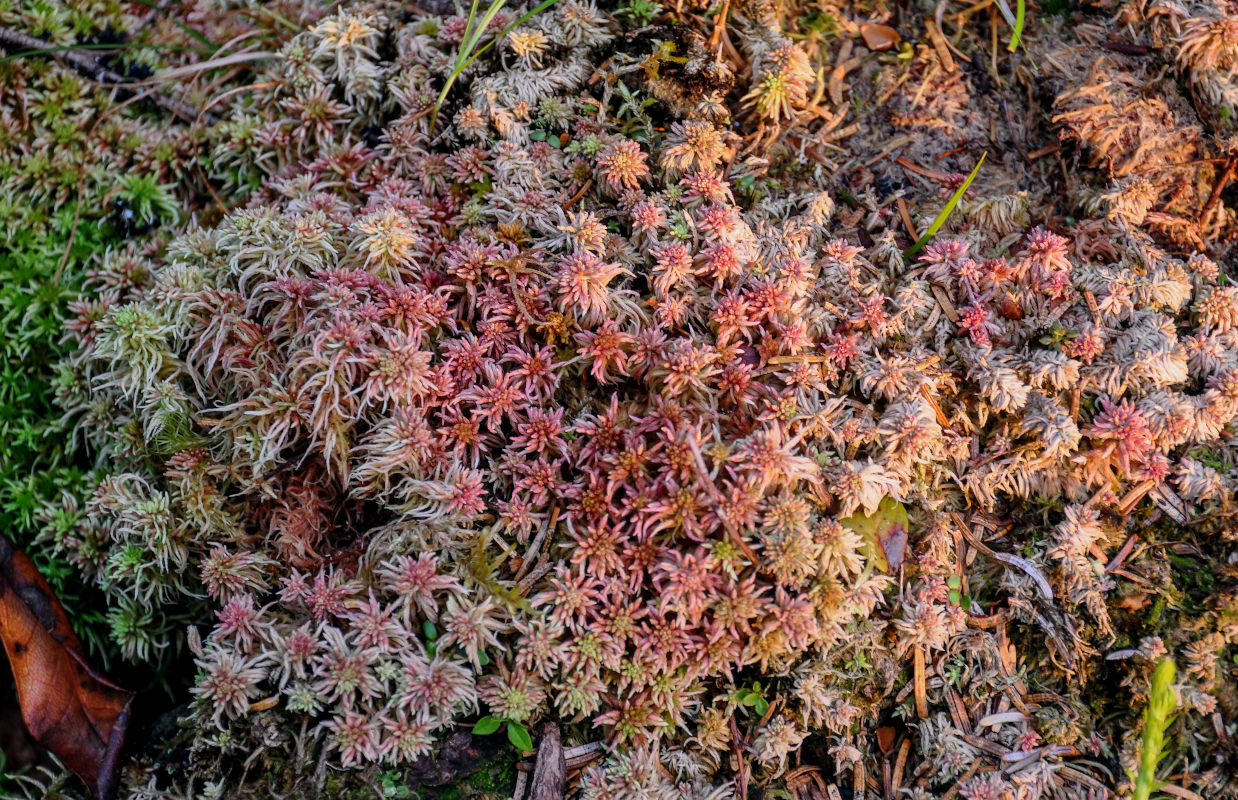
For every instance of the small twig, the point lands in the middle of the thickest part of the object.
(921, 682)
(89, 67)
(939, 44)
(900, 766)
(925, 172)
(537, 542)
(579, 194)
(1221, 183)
(905, 216)
(741, 777)
(1014, 137)
(68, 250)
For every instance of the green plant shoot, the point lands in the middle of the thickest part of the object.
(474, 30)
(1020, 15)
(1156, 719)
(945, 212)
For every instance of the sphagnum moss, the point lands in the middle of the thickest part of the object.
(552, 411)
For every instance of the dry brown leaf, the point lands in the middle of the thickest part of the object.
(879, 37)
(68, 707)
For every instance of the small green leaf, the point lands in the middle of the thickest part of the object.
(482, 658)
(430, 631)
(965, 602)
(955, 597)
(884, 533)
(954, 582)
(519, 736)
(486, 726)
(761, 706)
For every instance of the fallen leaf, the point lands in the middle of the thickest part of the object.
(879, 37)
(884, 533)
(1135, 601)
(885, 738)
(67, 707)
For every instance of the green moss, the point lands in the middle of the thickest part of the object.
(37, 465)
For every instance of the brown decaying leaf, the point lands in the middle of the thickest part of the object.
(879, 37)
(68, 707)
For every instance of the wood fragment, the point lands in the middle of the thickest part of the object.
(265, 704)
(1123, 553)
(1126, 48)
(1044, 151)
(579, 194)
(1015, 561)
(939, 44)
(550, 775)
(923, 172)
(583, 754)
(891, 146)
(938, 414)
(836, 86)
(1127, 504)
(958, 711)
(900, 766)
(953, 791)
(920, 682)
(943, 300)
(842, 133)
(1078, 776)
(1168, 501)
(741, 767)
(1093, 308)
(905, 216)
(984, 745)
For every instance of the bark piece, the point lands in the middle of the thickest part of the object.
(550, 775)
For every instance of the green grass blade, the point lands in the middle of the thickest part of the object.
(540, 7)
(468, 29)
(945, 212)
(469, 50)
(1020, 15)
(482, 27)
